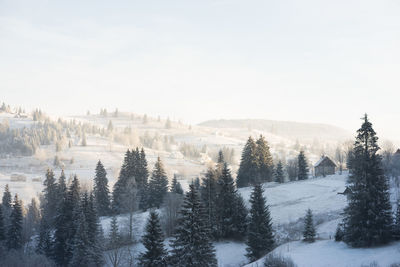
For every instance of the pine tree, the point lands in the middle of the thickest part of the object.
(368, 216)
(2, 226)
(44, 242)
(114, 236)
(50, 197)
(81, 253)
(84, 142)
(176, 186)
(158, 185)
(7, 199)
(279, 175)
(6, 204)
(101, 191)
(264, 158)
(14, 234)
(309, 229)
(120, 187)
(142, 177)
(231, 213)
(396, 227)
(260, 239)
(191, 244)
(153, 241)
(248, 168)
(209, 191)
(65, 224)
(302, 166)
(94, 233)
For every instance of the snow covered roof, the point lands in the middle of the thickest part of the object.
(322, 159)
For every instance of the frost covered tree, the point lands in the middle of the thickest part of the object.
(231, 212)
(2, 226)
(247, 173)
(309, 229)
(176, 186)
(279, 174)
(264, 159)
(209, 191)
(396, 226)
(65, 224)
(80, 253)
(6, 204)
(368, 216)
(191, 245)
(260, 238)
(44, 244)
(101, 191)
(158, 185)
(14, 233)
(50, 197)
(302, 166)
(153, 241)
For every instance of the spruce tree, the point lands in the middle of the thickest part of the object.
(153, 241)
(260, 238)
(2, 226)
(101, 191)
(209, 191)
(142, 177)
(158, 185)
(264, 159)
(248, 168)
(44, 244)
(7, 199)
(66, 224)
(114, 236)
(396, 226)
(368, 216)
(14, 234)
(50, 197)
(302, 166)
(119, 191)
(94, 233)
(309, 229)
(279, 175)
(191, 244)
(231, 213)
(81, 247)
(176, 186)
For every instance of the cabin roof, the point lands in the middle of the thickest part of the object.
(324, 159)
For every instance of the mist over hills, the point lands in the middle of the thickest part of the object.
(289, 129)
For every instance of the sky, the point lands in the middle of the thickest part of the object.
(308, 61)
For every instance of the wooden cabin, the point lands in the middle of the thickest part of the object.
(325, 166)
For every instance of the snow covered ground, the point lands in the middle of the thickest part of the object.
(328, 253)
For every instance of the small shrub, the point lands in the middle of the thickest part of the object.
(273, 260)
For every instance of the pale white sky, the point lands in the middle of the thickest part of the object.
(312, 61)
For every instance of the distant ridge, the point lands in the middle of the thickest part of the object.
(289, 129)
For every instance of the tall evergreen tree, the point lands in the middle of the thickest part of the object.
(231, 212)
(143, 175)
(260, 239)
(114, 236)
(264, 158)
(65, 224)
(209, 191)
(248, 168)
(101, 191)
(50, 197)
(7, 199)
(2, 226)
(153, 241)
(176, 186)
(368, 218)
(44, 244)
(120, 186)
(81, 248)
(158, 185)
(309, 229)
(396, 226)
(279, 174)
(14, 234)
(302, 166)
(191, 244)
(6, 204)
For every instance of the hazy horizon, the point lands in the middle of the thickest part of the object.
(302, 61)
